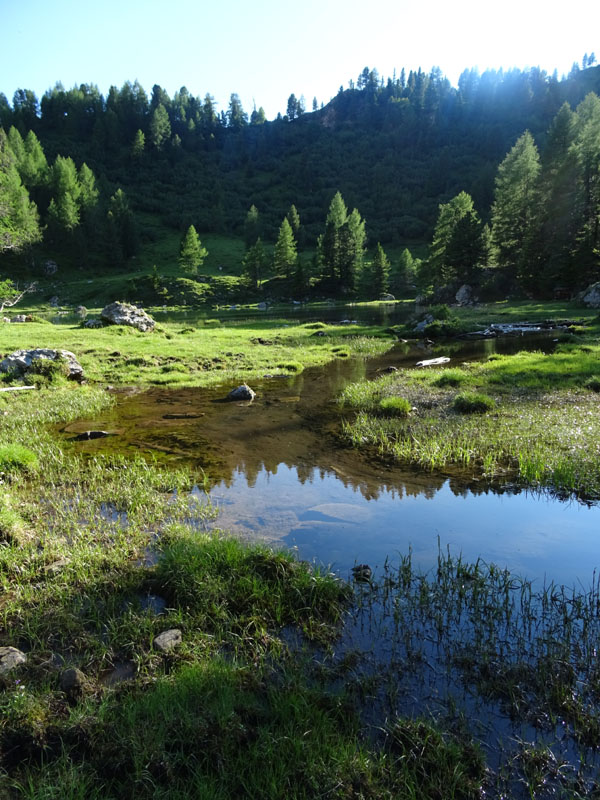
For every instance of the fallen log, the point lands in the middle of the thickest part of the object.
(432, 362)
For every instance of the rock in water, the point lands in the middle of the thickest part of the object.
(243, 392)
(126, 314)
(20, 361)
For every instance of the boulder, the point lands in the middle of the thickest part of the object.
(420, 326)
(590, 297)
(127, 314)
(93, 323)
(20, 318)
(243, 392)
(386, 297)
(10, 658)
(81, 311)
(168, 640)
(464, 296)
(72, 680)
(54, 302)
(20, 361)
(50, 267)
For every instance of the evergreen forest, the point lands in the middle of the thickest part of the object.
(403, 183)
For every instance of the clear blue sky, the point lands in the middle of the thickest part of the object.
(266, 49)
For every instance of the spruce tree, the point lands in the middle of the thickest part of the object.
(254, 264)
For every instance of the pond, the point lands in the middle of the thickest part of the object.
(277, 471)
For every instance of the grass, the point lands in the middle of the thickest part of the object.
(536, 419)
(196, 356)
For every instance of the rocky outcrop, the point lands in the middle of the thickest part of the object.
(19, 363)
(243, 392)
(590, 297)
(126, 314)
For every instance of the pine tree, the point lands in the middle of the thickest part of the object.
(19, 225)
(139, 142)
(284, 255)
(191, 252)
(122, 239)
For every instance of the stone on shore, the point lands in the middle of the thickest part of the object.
(126, 314)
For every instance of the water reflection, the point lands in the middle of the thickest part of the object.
(277, 471)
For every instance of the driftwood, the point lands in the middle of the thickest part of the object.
(17, 388)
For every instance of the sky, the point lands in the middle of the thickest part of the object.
(266, 49)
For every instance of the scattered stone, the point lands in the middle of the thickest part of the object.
(5, 319)
(125, 671)
(87, 435)
(19, 362)
(57, 566)
(94, 322)
(362, 573)
(72, 680)
(50, 267)
(19, 318)
(243, 392)
(168, 640)
(11, 658)
(590, 296)
(388, 369)
(127, 314)
(54, 301)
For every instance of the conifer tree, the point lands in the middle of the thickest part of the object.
(19, 224)
(380, 272)
(254, 264)
(191, 252)
(515, 207)
(284, 255)
(251, 226)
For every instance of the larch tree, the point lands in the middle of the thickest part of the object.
(284, 254)
(515, 207)
(19, 223)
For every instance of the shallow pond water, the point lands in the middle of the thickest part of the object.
(277, 471)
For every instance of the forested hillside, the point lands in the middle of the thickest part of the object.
(86, 172)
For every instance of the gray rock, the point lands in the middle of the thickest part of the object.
(72, 680)
(54, 301)
(19, 362)
(590, 297)
(168, 640)
(262, 306)
(243, 392)
(93, 323)
(386, 297)
(10, 658)
(50, 267)
(81, 311)
(464, 295)
(126, 314)
(87, 435)
(19, 318)
(420, 326)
